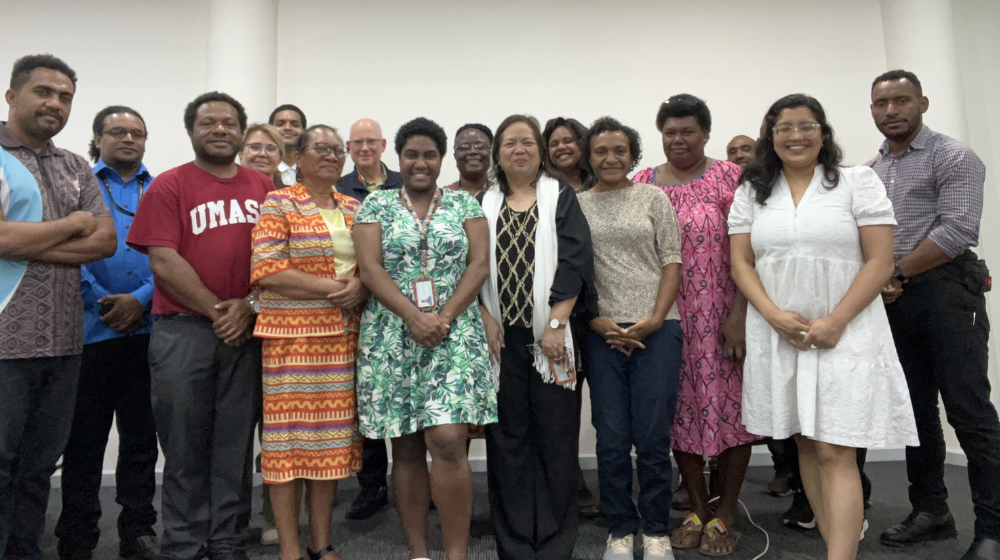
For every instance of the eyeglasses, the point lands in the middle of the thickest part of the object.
(372, 143)
(806, 130)
(323, 150)
(257, 147)
(478, 146)
(119, 132)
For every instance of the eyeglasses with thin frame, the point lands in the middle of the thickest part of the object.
(478, 146)
(372, 143)
(324, 150)
(119, 132)
(806, 130)
(257, 147)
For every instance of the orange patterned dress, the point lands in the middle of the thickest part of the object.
(310, 410)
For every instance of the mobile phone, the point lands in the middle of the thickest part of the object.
(106, 307)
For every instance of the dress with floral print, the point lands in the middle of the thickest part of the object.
(404, 387)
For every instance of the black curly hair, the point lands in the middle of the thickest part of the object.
(421, 127)
(684, 105)
(93, 151)
(192, 108)
(610, 124)
(24, 65)
(763, 173)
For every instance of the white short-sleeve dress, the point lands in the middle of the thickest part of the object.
(854, 394)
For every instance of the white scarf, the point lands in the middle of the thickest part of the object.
(546, 262)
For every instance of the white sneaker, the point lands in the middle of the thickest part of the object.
(269, 537)
(656, 547)
(620, 549)
(864, 529)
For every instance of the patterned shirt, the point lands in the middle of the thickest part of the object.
(44, 316)
(516, 264)
(936, 189)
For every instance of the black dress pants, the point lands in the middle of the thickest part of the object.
(532, 463)
(941, 333)
(114, 382)
(374, 465)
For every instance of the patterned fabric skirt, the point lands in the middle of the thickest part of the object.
(310, 412)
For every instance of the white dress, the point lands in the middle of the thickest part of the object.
(854, 394)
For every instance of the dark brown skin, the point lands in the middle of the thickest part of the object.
(740, 151)
(450, 479)
(38, 110)
(897, 109)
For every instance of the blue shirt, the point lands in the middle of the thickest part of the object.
(127, 272)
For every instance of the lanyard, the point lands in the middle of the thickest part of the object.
(142, 188)
(422, 225)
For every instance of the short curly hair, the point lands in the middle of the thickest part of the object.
(192, 108)
(480, 127)
(421, 127)
(23, 67)
(610, 124)
(684, 105)
(98, 127)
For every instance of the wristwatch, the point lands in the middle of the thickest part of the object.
(254, 301)
(897, 273)
(555, 324)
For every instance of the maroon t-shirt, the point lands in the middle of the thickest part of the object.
(208, 220)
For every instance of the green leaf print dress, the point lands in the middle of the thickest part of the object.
(402, 386)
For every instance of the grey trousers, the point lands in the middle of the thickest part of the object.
(37, 397)
(206, 397)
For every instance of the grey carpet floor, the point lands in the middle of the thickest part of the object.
(381, 537)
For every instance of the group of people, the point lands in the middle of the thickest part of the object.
(711, 305)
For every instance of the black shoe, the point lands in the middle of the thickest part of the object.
(69, 551)
(145, 547)
(800, 515)
(983, 549)
(921, 527)
(368, 503)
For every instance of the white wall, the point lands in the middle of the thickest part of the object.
(978, 44)
(458, 61)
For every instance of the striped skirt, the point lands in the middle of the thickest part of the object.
(310, 413)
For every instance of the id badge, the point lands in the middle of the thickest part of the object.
(424, 293)
(563, 373)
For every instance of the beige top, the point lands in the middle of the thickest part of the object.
(635, 234)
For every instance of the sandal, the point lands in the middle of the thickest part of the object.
(313, 555)
(688, 535)
(716, 533)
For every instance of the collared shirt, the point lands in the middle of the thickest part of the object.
(288, 173)
(936, 189)
(355, 186)
(127, 272)
(375, 185)
(44, 315)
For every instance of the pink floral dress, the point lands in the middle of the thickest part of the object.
(709, 417)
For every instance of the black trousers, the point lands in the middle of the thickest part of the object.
(532, 464)
(37, 396)
(374, 465)
(114, 382)
(206, 399)
(941, 333)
